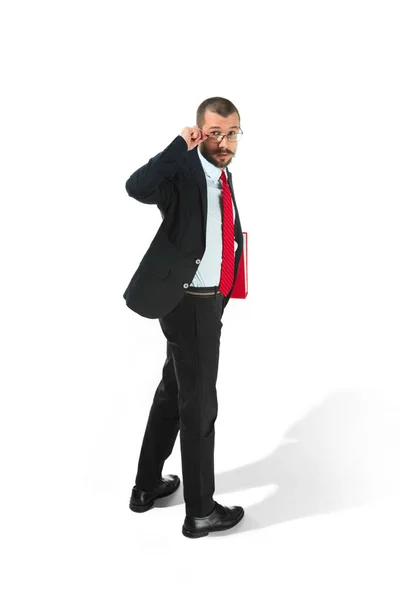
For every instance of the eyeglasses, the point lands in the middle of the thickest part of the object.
(218, 137)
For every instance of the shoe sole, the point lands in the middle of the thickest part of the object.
(140, 508)
(198, 534)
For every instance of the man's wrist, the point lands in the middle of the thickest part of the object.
(185, 140)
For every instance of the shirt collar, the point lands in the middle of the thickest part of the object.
(211, 170)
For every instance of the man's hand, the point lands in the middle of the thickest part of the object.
(193, 136)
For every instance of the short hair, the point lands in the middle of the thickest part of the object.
(221, 106)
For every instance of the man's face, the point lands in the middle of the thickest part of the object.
(213, 150)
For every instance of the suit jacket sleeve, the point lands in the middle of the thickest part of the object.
(152, 183)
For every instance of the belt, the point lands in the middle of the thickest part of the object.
(204, 291)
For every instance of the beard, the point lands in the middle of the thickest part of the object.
(215, 158)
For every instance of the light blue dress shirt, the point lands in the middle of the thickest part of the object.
(209, 272)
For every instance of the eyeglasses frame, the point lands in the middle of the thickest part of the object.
(223, 136)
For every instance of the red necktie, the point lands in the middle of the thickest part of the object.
(228, 252)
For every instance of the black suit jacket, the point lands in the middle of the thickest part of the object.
(174, 180)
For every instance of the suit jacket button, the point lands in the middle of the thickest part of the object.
(185, 285)
(197, 261)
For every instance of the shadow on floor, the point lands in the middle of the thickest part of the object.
(340, 455)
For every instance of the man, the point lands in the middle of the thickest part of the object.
(185, 279)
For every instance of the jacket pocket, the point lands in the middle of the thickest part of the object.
(161, 256)
(157, 267)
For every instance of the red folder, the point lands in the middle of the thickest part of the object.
(240, 287)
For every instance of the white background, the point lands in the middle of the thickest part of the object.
(307, 436)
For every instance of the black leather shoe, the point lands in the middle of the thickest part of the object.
(221, 518)
(142, 501)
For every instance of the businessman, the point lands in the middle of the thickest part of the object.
(185, 280)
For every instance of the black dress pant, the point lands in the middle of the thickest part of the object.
(186, 400)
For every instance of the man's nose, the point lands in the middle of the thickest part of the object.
(223, 143)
